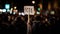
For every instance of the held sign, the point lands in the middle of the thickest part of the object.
(29, 10)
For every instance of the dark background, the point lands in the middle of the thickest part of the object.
(20, 3)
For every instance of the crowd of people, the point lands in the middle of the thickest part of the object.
(39, 24)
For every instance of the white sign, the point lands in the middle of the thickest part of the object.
(29, 10)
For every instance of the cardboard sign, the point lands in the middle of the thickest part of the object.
(29, 10)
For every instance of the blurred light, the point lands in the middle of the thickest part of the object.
(38, 12)
(11, 8)
(8, 10)
(20, 13)
(11, 12)
(49, 6)
(38, 9)
(15, 7)
(33, 2)
(4, 10)
(46, 19)
(23, 14)
(1, 10)
(55, 4)
(7, 6)
(16, 10)
(52, 12)
(40, 5)
(14, 13)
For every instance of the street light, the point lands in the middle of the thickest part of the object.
(15, 7)
(33, 2)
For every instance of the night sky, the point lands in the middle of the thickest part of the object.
(20, 3)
